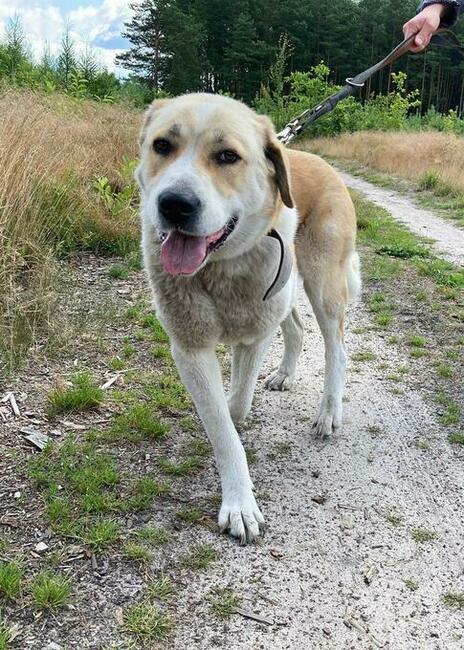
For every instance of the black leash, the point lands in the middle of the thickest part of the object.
(300, 123)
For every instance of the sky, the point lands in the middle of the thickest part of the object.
(97, 23)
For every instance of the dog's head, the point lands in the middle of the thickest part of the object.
(212, 176)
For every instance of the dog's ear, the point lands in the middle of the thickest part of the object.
(149, 115)
(275, 153)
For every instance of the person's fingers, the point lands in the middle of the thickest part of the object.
(412, 26)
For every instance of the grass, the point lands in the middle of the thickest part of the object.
(147, 622)
(82, 395)
(416, 341)
(51, 591)
(136, 424)
(102, 534)
(200, 557)
(363, 355)
(118, 272)
(162, 589)
(225, 603)
(11, 576)
(5, 634)
(167, 393)
(411, 584)
(394, 518)
(154, 535)
(47, 209)
(456, 438)
(454, 599)
(183, 468)
(190, 514)
(423, 535)
(137, 553)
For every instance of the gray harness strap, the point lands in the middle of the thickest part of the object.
(284, 270)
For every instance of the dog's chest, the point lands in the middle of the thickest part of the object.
(224, 302)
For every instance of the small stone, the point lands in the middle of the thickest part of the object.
(17, 495)
(41, 547)
(52, 646)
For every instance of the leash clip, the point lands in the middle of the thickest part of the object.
(350, 82)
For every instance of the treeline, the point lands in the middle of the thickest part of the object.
(78, 75)
(229, 46)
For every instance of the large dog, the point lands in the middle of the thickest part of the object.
(215, 183)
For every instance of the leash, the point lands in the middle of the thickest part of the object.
(446, 38)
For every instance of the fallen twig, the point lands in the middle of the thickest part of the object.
(254, 617)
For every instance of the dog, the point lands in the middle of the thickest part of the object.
(230, 219)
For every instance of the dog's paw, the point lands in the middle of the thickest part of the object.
(329, 419)
(278, 381)
(242, 519)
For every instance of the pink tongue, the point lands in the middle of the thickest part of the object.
(182, 254)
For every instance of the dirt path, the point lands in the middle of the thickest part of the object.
(449, 239)
(310, 575)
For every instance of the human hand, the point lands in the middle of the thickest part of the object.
(426, 24)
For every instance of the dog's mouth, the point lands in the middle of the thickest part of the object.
(183, 254)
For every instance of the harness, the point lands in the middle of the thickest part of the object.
(443, 38)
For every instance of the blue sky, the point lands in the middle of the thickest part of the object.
(97, 23)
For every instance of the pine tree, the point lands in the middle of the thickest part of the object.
(66, 58)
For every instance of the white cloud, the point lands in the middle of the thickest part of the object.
(45, 23)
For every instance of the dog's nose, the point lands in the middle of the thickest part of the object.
(178, 209)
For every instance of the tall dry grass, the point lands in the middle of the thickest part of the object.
(51, 150)
(409, 155)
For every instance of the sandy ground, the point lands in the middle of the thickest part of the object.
(449, 239)
(310, 575)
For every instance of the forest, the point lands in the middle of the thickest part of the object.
(229, 47)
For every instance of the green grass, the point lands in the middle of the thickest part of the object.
(137, 553)
(225, 603)
(411, 584)
(102, 534)
(150, 322)
(183, 468)
(118, 272)
(116, 363)
(5, 634)
(416, 341)
(147, 622)
(394, 518)
(136, 424)
(51, 591)
(363, 355)
(167, 393)
(190, 514)
(83, 395)
(445, 371)
(144, 491)
(456, 438)
(156, 536)
(452, 414)
(423, 535)
(162, 589)
(200, 557)
(454, 600)
(11, 576)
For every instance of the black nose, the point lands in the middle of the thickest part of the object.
(178, 209)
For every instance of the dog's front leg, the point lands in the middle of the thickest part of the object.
(201, 374)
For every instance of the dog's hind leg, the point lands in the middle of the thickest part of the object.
(201, 374)
(246, 364)
(292, 331)
(328, 299)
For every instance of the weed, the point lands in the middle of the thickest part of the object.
(393, 340)
(429, 179)
(456, 438)
(188, 466)
(250, 455)
(363, 355)
(422, 535)
(116, 363)
(83, 395)
(128, 350)
(118, 272)
(416, 341)
(11, 575)
(147, 622)
(190, 514)
(162, 589)
(51, 591)
(200, 557)
(137, 553)
(152, 535)
(199, 447)
(161, 352)
(454, 600)
(5, 634)
(452, 414)
(394, 518)
(411, 584)
(445, 371)
(102, 534)
(225, 603)
(152, 323)
(144, 491)
(138, 423)
(418, 353)
(168, 393)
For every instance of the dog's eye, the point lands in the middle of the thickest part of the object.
(227, 157)
(162, 146)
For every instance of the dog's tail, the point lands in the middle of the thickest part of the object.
(353, 277)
